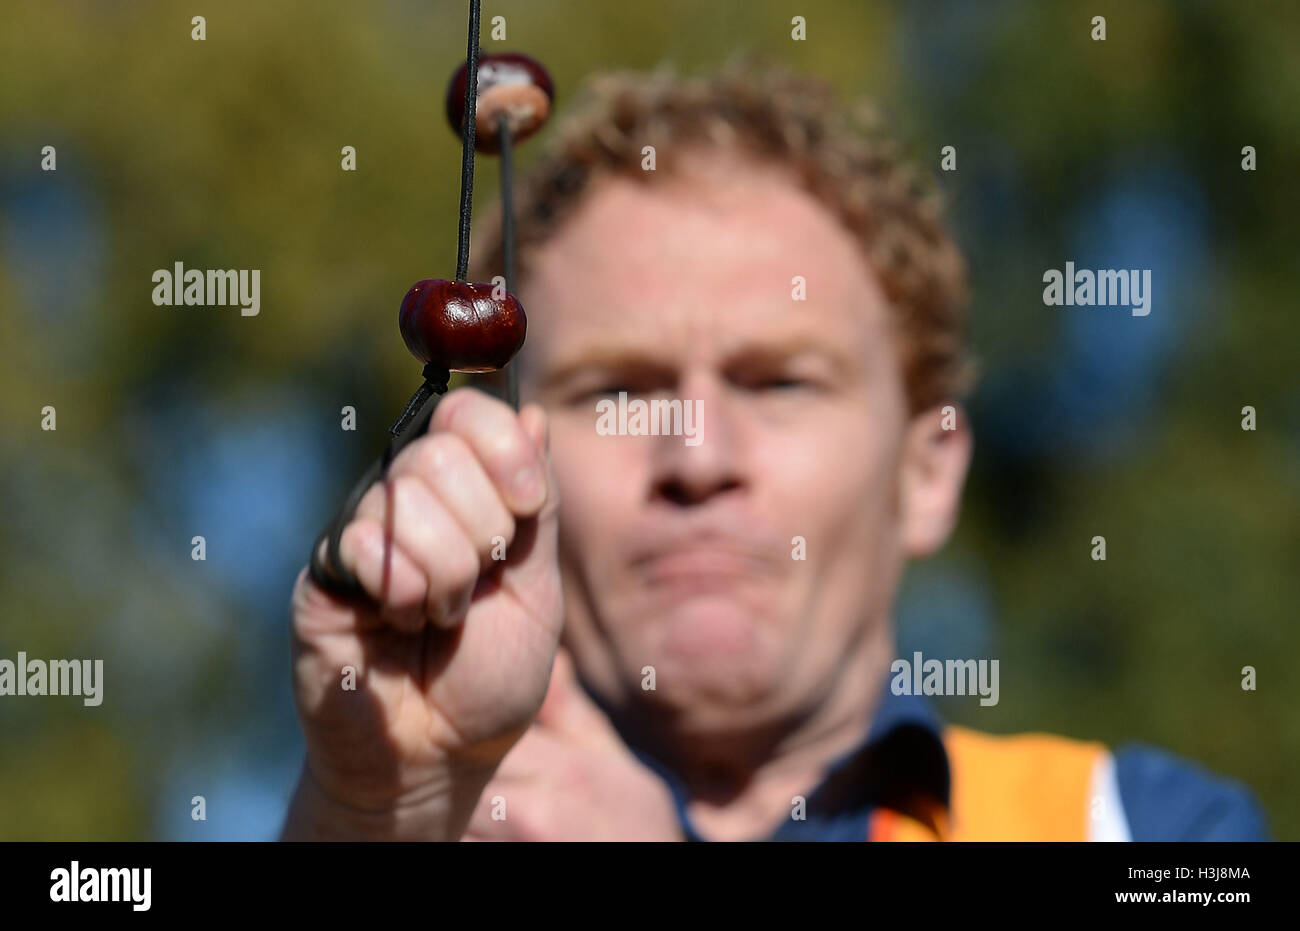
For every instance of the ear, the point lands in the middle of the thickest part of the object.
(936, 454)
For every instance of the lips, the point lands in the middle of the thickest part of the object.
(701, 562)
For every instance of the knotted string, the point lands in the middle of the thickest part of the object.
(326, 567)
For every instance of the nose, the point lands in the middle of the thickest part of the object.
(686, 474)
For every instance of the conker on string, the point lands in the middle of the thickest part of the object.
(509, 83)
(460, 326)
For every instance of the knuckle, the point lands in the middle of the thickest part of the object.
(441, 452)
(360, 539)
(408, 492)
(372, 502)
(462, 562)
(510, 453)
(453, 408)
(454, 579)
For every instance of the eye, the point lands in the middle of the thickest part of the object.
(633, 385)
(782, 384)
(585, 397)
(610, 391)
(775, 383)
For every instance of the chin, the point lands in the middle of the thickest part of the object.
(713, 656)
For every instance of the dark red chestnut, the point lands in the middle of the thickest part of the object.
(508, 83)
(460, 326)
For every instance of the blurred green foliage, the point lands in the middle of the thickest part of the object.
(225, 154)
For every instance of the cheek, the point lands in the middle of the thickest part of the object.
(837, 481)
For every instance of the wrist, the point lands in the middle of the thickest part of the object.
(316, 814)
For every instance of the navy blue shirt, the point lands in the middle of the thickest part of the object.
(902, 756)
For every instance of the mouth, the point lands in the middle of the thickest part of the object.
(700, 565)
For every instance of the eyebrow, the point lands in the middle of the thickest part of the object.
(802, 344)
(606, 358)
(613, 357)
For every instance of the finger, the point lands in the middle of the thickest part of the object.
(394, 582)
(533, 552)
(567, 711)
(483, 828)
(323, 642)
(533, 756)
(490, 820)
(447, 465)
(537, 426)
(495, 434)
(523, 784)
(420, 525)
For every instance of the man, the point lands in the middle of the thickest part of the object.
(724, 600)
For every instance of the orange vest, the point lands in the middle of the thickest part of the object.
(1027, 787)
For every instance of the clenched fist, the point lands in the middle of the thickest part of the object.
(452, 653)
(571, 777)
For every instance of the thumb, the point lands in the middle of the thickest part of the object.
(568, 712)
(537, 426)
(532, 564)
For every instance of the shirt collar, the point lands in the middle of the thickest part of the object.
(900, 764)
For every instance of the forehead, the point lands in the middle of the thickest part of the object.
(713, 251)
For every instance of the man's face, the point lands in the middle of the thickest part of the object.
(683, 557)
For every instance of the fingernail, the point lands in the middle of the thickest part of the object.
(527, 487)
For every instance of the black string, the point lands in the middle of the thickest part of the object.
(467, 145)
(326, 567)
(435, 382)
